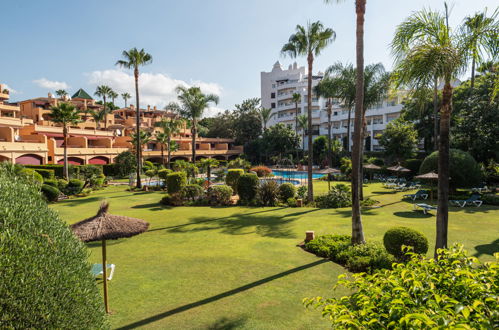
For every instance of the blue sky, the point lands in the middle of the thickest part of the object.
(221, 45)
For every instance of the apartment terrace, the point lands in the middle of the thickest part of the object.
(22, 149)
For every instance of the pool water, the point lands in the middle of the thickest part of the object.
(280, 181)
(296, 174)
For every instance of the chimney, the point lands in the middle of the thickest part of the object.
(85, 104)
(148, 107)
(132, 107)
(50, 95)
(155, 108)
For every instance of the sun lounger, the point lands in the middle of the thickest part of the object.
(473, 200)
(420, 194)
(425, 207)
(481, 189)
(97, 270)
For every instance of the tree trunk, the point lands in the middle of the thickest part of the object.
(296, 128)
(435, 112)
(162, 154)
(125, 102)
(193, 132)
(357, 230)
(105, 113)
(137, 129)
(349, 120)
(169, 153)
(473, 63)
(310, 60)
(329, 152)
(208, 174)
(443, 169)
(65, 134)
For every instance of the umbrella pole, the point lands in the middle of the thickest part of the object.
(328, 183)
(104, 274)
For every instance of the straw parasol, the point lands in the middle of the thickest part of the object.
(428, 176)
(371, 167)
(104, 226)
(398, 168)
(328, 170)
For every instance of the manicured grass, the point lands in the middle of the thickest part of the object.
(238, 267)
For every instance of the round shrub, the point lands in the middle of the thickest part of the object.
(286, 191)
(45, 278)
(32, 175)
(163, 173)
(51, 193)
(125, 164)
(413, 164)
(292, 202)
(45, 173)
(338, 196)
(233, 177)
(62, 184)
(150, 173)
(396, 237)
(268, 193)
(74, 187)
(261, 171)
(192, 192)
(247, 187)
(464, 170)
(51, 182)
(175, 181)
(172, 200)
(219, 195)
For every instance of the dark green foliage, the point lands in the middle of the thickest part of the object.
(292, 202)
(338, 196)
(62, 184)
(45, 280)
(365, 257)
(192, 192)
(32, 175)
(232, 178)
(287, 191)
(464, 170)
(413, 164)
(247, 187)
(399, 139)
(301, 192)
(52, 183)
(490, 199)
(328, 246)
(51, 193)
(377, 161)
(110, 170)
(175, 181)
(58, 169)
(396, 237)
(163, 174)
(46, 174)
(172, 200)
(125, 164)
(147, 165)
(219, 195)
(268, 193)
(455, 292)
(74, 187)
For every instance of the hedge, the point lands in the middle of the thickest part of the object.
(51, 193)
(232, 178)
(46, 174)
(45, 282)
(175, 181)
(58, 169)
(247, 187)
(397, 237)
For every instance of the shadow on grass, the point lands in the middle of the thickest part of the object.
(226, 323)
(222, 295)
(413, 215)
(488, 249)
(384, 192)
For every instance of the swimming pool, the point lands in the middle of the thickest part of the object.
(280, 181)
(296, 174)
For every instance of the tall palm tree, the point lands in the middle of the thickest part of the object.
(344, 77)
(303, 124)
(133, 59)
(192, 105)
(309, 42)
(328, 89)
(170, 127)
(296, 98)
(104, 91)
(65, 114)
(357, 229)
(482, 34)
(140, 140)
(265, 114)
(208, 164)
(163, 139)
(61, 93)
(113, 95)
(98, 116)
(425, 47)
(126, 97)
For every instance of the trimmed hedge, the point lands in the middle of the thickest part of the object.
(58, 169)
(396, 237)
(32, 175)
(74, 187)
(51, 193)
(233, 177)
(247, 187)
(175, 181)
(286, 191)
(46, 174)
(219, 195)
(192, 192)
(45, 282)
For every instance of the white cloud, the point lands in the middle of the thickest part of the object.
(156, 89)
(48, 84)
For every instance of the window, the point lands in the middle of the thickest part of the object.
(335, 113)
(272, 95)
(272, 105)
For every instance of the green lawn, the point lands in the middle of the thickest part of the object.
(238, 267)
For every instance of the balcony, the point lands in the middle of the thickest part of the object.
(9, 107)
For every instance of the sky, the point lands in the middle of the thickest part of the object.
(219, 45)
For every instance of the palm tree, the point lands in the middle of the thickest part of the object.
(98, 116)
(126, 97)
(303, 124)
(104, 91)
(170, 128)
(345, 80)
(357, 230)
(61, 93)
(425, 47)
(208, 164)
(140, 140)
(265, 114)
(113, 95)
(133, 59)
(309, 42)
(481, 33)
(296, 98)
(65, 114)
(162, 139)
(328, 89)
(192, 105)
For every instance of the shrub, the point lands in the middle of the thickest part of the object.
(58, 169)
(62, 184)
(464, 170)
(45, 278)
(268, 193)
(292, 202)
(46, 174)
(51, 193)
(365, 257)
(125, 164)
(233, 177)
(346, 166)
(219, 195)
(52, 183)
(261, 171)
(376, 161)
(396, 237)
(413, 164)
(172, 200)
(163, 173)
(74, 187)
(287, 190)
(301, 192)
(175, 181)
(32, 175)
(192, 192)
(328, 246)
(490, 199)
(455, 292)
(338, 196)
(110, 170)
(247, 187)
(239, 163)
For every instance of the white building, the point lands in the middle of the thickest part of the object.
(278, 87)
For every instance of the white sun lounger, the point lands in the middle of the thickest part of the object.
(97, 270)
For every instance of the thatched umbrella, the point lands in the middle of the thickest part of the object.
(371, 167)
(398, 168)
(428, 176)
(104, 226)
(328, 171)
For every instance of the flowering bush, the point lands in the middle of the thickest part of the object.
(261, 171)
